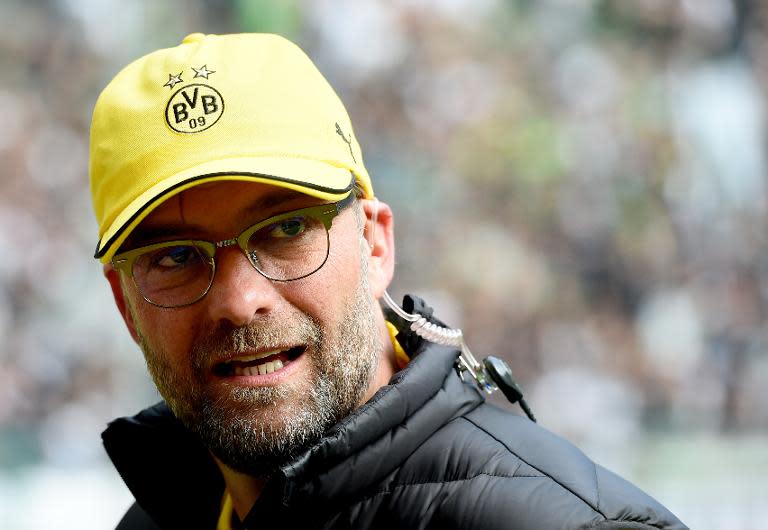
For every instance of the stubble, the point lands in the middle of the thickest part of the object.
(255, 430)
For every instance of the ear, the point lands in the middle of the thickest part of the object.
(379, 233)
(113, 277)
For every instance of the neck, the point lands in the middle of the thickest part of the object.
(387, 365)
(244, 489)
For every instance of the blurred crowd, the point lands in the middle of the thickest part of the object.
(579, 184)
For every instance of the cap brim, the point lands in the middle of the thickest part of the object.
(312, 177)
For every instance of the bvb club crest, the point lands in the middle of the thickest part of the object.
(195, 107)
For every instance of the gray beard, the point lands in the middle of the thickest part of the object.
(256, 430)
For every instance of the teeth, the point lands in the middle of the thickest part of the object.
(261, 369)
(249, 358)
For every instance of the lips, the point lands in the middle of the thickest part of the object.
(261, 363)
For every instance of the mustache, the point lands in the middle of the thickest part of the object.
(227, 339)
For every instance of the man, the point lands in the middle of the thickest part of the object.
(246, 253)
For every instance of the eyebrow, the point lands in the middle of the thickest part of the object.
(270, 203)
(144, 235)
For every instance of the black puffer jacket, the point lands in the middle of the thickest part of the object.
(425, 452)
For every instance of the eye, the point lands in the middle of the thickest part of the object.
(288, 228)
(175, 256)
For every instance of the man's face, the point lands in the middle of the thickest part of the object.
(205, 358)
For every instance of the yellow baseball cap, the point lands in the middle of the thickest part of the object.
(247, 107)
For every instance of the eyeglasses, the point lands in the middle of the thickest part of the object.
(285, 247)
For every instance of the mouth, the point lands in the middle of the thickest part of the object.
(262, 363)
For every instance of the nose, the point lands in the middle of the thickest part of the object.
(239, 293)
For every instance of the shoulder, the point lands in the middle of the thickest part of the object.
(490, 466)
(136, 519)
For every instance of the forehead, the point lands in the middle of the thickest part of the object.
(218, 207)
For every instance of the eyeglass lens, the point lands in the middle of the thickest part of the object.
(290, 248)
(173, 275)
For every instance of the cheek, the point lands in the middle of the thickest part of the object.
(169, 332)
(330, 289)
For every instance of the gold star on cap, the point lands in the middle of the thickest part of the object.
(203, 71)
(174, 80)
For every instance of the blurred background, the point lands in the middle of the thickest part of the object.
(579, 184)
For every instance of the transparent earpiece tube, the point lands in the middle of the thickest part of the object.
(445, 336)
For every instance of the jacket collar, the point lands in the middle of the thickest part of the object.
(169, 472)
